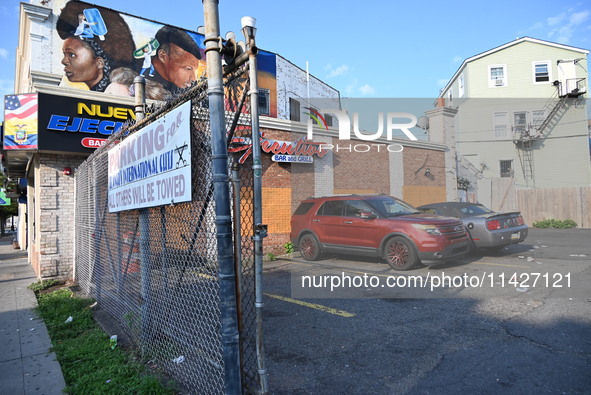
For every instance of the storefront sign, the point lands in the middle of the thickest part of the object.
(284, 151)
(152, 167)
(77, 125)
(292, 158)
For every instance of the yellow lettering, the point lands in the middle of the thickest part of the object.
(111, 112)
(120, 113)
(84, 108)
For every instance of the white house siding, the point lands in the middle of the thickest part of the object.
(519, 70)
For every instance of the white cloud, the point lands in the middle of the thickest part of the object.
(3, 53)
(335, 72)
(565, 25)
(579, 17)
(457, 59)
(367, 90)
(555, 20)
(442, 82)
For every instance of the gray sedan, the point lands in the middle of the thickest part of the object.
(487, 228)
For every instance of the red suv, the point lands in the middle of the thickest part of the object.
(376, 225)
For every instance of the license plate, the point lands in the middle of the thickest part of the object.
(515, 236)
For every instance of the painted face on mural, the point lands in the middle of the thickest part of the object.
(180, 67)
(80, 62)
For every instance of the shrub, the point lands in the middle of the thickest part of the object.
(555, 223)
(288, 247)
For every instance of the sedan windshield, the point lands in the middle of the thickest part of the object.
(390, 207)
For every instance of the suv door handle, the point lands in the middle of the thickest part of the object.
(315, 220)
(348, 222)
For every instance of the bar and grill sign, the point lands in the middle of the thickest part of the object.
(152, 167)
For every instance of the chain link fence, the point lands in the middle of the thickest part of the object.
(155, 269)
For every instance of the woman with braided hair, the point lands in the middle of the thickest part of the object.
(90, 58)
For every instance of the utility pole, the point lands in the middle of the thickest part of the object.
(227, 275)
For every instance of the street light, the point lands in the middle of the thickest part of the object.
(249, 27)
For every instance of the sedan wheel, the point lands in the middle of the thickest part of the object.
(310, 248)
(400, 254)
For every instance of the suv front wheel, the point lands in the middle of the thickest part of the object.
(309, 247)
(400, 254)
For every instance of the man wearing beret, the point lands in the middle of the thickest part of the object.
(177, 60)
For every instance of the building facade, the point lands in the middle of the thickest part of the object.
(521, 119)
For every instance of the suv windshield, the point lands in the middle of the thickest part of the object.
(390, 207)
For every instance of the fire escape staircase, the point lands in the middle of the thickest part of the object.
(555, 107)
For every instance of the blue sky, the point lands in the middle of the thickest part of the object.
(364, 49)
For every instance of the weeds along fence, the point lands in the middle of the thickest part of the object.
(155, 269)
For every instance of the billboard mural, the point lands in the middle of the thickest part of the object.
(20, 121)
(103, 50)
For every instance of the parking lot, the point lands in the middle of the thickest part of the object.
(512, 321)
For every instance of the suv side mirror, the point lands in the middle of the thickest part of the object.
(366, 215)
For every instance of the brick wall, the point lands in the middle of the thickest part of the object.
(422, 187)
(361, 172)
(55, 206)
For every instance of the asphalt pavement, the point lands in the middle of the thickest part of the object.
(27, 366)
(503, 338)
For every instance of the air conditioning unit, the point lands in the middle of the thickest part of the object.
(499, 82)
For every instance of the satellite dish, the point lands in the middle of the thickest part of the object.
(423, 122)
(201, 30)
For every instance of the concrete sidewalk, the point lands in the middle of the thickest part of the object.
(26, 364)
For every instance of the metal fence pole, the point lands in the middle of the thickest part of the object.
(144, 222)
(260, 230)
(227, 276)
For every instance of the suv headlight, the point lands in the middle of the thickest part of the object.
(431, 229)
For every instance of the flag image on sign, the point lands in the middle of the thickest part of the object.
(20, 121)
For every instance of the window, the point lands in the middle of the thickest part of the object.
(450, 96)
(541, 72)
(264, 106)
(537, 117)
(506, 168)
(497, 75)
(328, 119)
(461, 86)
(519, 122)
(294, 109)
(354, 208)
(303, 208)
(500, 124)
(332, 207)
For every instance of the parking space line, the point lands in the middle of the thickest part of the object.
(315, 306)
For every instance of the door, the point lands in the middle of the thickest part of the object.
(357, 231)
(327, 222)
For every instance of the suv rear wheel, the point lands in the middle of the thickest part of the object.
(309, 247)
(400, 254)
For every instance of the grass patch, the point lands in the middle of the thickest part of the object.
(555, 223)
(43, 285)
(84, 353)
